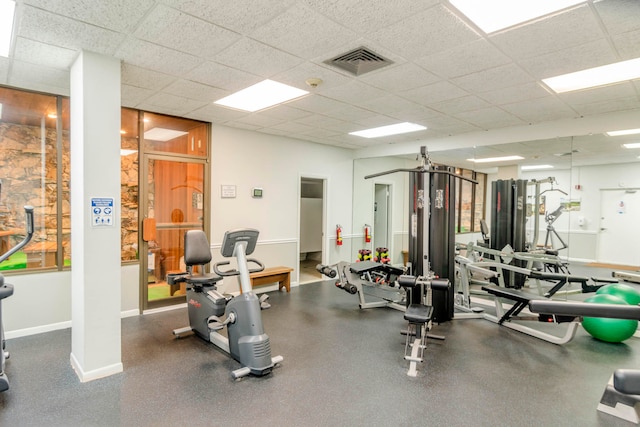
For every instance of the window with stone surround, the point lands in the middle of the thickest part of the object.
(35, 170)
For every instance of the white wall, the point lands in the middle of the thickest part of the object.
(42, 301)
(249, 159)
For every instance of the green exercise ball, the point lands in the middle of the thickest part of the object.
(626, 292)
(609, 330)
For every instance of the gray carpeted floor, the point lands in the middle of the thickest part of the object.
(342, 367)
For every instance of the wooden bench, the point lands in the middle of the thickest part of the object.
(280, 275)
(42, 254)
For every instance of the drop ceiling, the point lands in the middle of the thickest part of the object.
(470, 89)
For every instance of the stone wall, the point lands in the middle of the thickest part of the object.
(28, 168)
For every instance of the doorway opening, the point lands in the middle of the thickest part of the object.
(311, 218)
(382, 217)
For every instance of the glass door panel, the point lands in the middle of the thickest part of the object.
(174, 204)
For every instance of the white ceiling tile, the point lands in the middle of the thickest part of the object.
(43, 79)
(144, 78)
(298, 75)
(500, 77)
(397, 78)
(259, 120)
(389, 105)
(608, 106)
(465, 59)
(459, 105)
(372, 122)
(588, 55)
(513, 94)
(354, 92)
(562, 31)
(628, 44)
(241, 19)
(349, 113)
(490, 118)
(123, 17)
(131, 96)
(540, 110)
(177, 30)
(52, 29)
(223, 77)
(158, 58)
(325, 122)
(285, 112)
(292, 127)
(216, 114)
(194, 90)
(433, 30)
(619, 16)
(176, 103)
(435, 92)
(365, 16)
(317, 104)
(303, 32)
(257, 58)
(589, 96)
(38, 53)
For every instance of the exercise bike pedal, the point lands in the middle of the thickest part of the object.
(264, 305)
(215, 324)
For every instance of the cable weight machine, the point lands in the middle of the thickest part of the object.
(432, 228)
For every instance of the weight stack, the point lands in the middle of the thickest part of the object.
(442, 239)
(508, 222)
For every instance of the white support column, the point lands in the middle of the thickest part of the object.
(95, 216)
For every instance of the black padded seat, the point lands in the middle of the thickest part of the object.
(418, 313)
(206, 279)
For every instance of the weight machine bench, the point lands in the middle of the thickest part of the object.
(419, 317)
(520, 301)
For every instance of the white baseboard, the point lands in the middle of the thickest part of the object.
(95, 374)
(37, 330)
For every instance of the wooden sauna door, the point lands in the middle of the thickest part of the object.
(174, 201)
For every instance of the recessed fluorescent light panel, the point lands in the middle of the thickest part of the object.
(632, 145)
(594, 77)
(162, 134)
(623, 132)
(262, 95)
(495, 159)
(535, 167)
(7, 10)
(396, 129)
(495, 15)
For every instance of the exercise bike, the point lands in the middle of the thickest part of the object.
(6, 290)
(247, 342)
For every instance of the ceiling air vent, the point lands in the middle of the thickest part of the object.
(359, 61)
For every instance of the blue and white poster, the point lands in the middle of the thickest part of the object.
(102, 211)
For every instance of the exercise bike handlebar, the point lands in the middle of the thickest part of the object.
(28, 210)
(234, 272)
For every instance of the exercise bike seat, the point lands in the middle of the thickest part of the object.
(197, 252)
(418, 313)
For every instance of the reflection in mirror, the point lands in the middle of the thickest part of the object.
(388, 225)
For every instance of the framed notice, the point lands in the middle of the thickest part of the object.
(228, 191)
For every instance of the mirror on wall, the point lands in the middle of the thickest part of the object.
(380, 217)
(582, 194)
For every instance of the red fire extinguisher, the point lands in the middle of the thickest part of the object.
(339, 235)
(367, 233)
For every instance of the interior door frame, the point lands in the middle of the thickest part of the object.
(143, 246)
(325, 245)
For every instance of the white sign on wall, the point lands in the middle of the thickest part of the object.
(102, 212)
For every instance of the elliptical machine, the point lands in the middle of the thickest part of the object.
(247, 342)
(6, 290)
